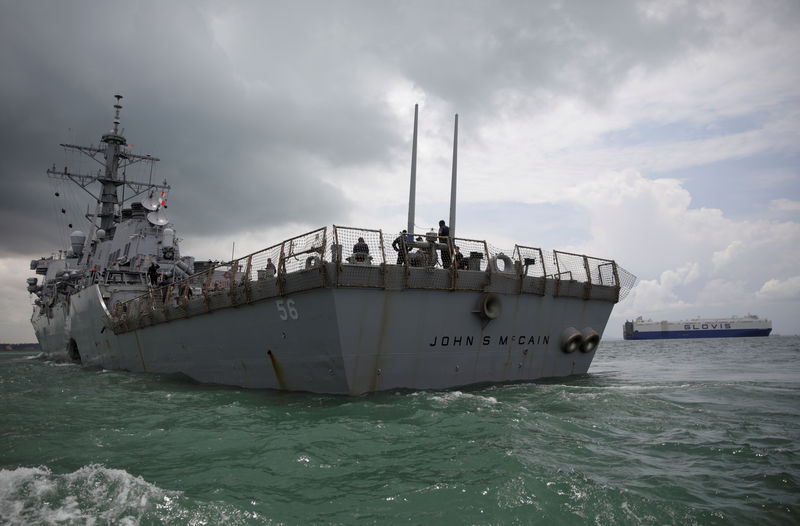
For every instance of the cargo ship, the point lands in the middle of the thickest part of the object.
(733, 327)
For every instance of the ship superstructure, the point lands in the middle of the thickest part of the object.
(336, 310)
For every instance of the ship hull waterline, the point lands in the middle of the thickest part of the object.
(679, 335)
(343, 340)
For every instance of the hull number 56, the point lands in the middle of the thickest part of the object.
(286, 309)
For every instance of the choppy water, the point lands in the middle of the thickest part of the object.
(665, 432)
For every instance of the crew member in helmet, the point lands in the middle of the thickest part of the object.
(400, 247)
(360, 250)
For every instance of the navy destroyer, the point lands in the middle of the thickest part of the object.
(337, 310)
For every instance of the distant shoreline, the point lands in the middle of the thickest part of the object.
(20, 347)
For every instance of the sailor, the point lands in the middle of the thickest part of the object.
(459, 259)
(270, 268)
(444, 237)
(400, 247)
(360, 250)
(152, 273)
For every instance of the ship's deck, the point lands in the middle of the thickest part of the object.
(303, 263)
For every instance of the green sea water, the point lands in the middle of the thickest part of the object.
(659, 432)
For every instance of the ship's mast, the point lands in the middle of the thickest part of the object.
(412, 193)
(115, 158)
(109, 197)
(453, 181)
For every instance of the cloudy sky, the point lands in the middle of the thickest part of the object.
(662, 134)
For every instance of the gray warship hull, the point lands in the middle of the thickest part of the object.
(309, 313)
(341, 339)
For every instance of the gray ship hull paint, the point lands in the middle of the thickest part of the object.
(345, 340)
(51, 330)
(310, 313)
(396, 339)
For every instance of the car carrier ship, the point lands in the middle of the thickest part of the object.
(733, 327)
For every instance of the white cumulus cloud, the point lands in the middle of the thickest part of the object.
(781, 289)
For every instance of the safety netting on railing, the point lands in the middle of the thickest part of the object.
(301, 262)
(366, 258)
(475, 254)
(626, 282)
(359, 257)
(532, 260)
(291, 266)
(569, 267)
(577, 275)
(472, 264)
(533, 269)
(395, 247)
(433, 262)
(504, 270)
(602, 272)
(429, 262)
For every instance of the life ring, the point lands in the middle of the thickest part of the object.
(590, 339)
(312, 262)
(508, 265)
(571, 340)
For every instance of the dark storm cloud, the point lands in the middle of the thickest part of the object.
(236, 123)
(62, 65)
(466, 52)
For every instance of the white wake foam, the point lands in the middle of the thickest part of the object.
(93, 494)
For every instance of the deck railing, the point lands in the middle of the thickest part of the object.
(356, 257)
